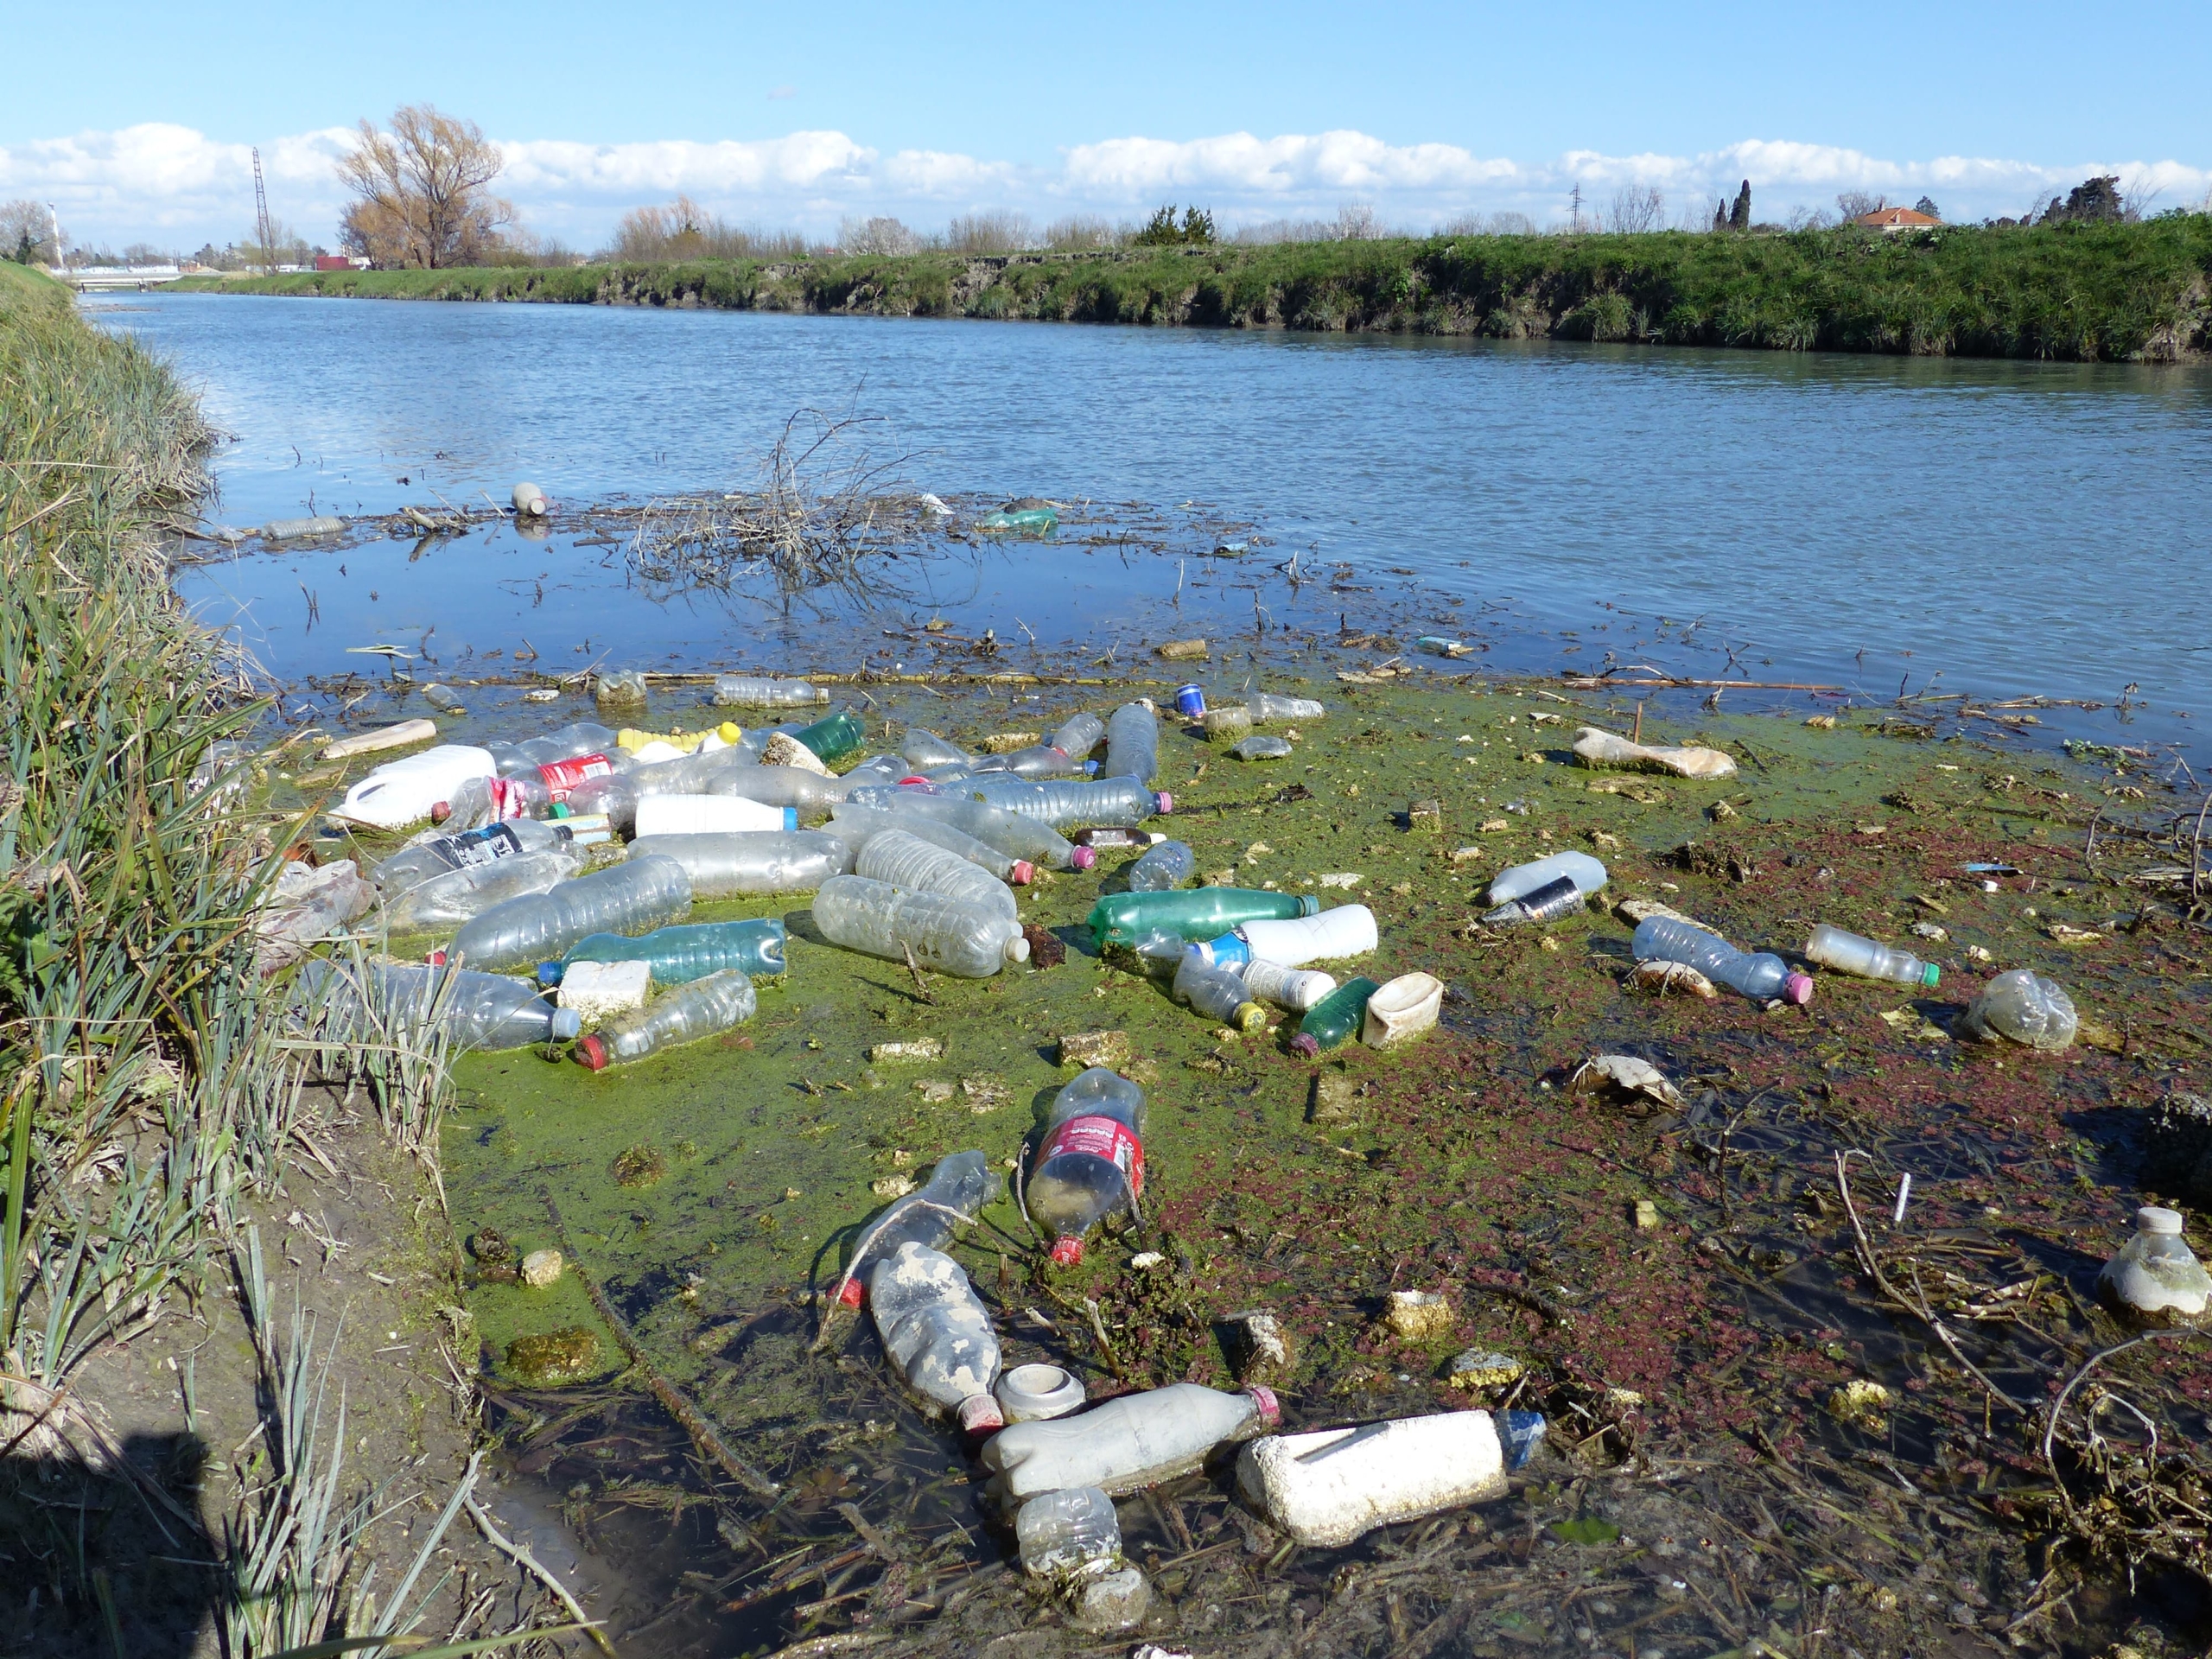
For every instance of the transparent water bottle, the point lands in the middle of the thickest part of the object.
(476, 848)
(306, 905)
(1260, 747)
(1195, 912)
(1268, 709)
(1848, 953)
(679, 954)
(581, 738)
(630, 898)
(948, 935)
(1072, 804)
(1159, 951)
(719, 1001)
(2023, 1007)
(1334, 1019)
(1217, 993)
(1041, 760)
(1068, 1534)
(1131, 744)
(1761, 977)
(924, 749)
(1079, 734)
(937, 1332)
(744, 862)
(442, 698)
(760, 691)
(1011, 833)
(1090, 1166)
(908, 862)
(809, 791)
(459, 896)
(1297, 989)
(405, 1002)
(1137, 1440)
(2156, 1276)
(1166, 865)
(858, 825)
(953, 1197)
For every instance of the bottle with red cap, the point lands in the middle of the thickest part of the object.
(1091, 1164)
(685, 1014)
(954, 1195)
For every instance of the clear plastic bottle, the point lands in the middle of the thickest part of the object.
(579, 738)
(744, 862)
(1165, 866)
(709, 815)
(1269, 708)
(1523, 880)
(719, 1001)
(2156, 1276)
(1079, 734)
(918, 865)
(481, 801)
(487, 1011)
(307, 905)
(937, 1332)
(614, 798)
(1074, 804)
(1347, 931)
(1217, 993)
(459, 896)
(926, 749)
(1260, 747)
(1011, 833)
(630, 898)
(858, 825)
(810, 791)
(476, 848)
(953, 1197)
(2023, 1007)
(1540, 907)
(1068, 1534)
(1137, 1440)
(442, 698)
(1090, 1166)
(759, 691)
(1195, 912)
(948, 935)
(1042, 760)
(1132, 743)
(679, 954)
(1849, 953)
(1334, 1019)
(1761, 977)
(1297, 989)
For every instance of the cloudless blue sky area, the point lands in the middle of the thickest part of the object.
(2034, 80)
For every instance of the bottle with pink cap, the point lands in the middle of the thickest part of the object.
(1091, 1164)
(1762, 977)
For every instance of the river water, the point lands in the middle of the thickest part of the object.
(1996, 528)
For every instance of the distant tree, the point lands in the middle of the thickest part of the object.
(1197, 227)
(1078, 233)
(26, 230)
(1739, 215)
(422, 193)
(1857, 204)
(1637, 210)
(1720, 216)
(1003, 232)
(878, 235)
(1162, 230)
(2090, 201)
(1924, 206)
(1356, 222)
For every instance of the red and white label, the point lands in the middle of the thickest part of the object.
(1099, 1137)
(562, 776)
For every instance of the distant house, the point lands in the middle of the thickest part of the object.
(1891, 220)
(339, 262)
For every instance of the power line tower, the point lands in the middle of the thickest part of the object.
(1577, 221)
(261, 218)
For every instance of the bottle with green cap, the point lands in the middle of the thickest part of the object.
(679, 954)
(1848, 953)
(1194, 912)
(1334, 1019)
(833, 737)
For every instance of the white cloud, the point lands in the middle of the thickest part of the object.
(167, 183)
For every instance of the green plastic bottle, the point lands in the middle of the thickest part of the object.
(680, 955)
(1334, 1018)
(1195, 912)
(834, 736)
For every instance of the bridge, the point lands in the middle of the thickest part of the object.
(101, 278)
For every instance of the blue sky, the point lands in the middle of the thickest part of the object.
(134, 117)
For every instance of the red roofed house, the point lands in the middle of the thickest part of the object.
(1891, 220)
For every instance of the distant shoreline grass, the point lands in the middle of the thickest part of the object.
(2080, 292)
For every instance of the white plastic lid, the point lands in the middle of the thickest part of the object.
(1034, 1392)
(2156, 1218)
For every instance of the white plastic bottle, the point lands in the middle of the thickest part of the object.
(1131, 744)
(935, 1330)
(718, 1002)
(403, 791)
(2156, 1276)
(949, 935)
(1287, 988)
(709, 815)
(858, 825)
(1068, 1534)
(760, 691)
(1661, 938)
(918, 865)
(747, 862)
(2023, 1007)
(1327, 1488)
(1137, 1440)
(1347, 931)
(459, 896)
(1585, 872)
(1165, 864)
(1090, 1166)
(1217, 993)
(369, 1002)
(631, 897)
(1849, 953)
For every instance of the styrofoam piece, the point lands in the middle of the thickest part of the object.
(1327, 1488)
(596, 989)
(708, 815)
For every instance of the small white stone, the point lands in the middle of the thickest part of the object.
(541, 1267)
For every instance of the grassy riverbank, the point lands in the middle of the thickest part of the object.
(2118, 292)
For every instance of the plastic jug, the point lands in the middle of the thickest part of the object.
(403, 791)
(1137, 1440)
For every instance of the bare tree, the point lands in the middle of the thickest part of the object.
(27, 234)
(878, 235)
(1856, 204)
(683, 230)
(1356, 222)
(420, 192)
(1638, 210)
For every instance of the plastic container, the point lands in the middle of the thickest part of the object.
(1190, 701)
(1219, 994)
(1166, 865)
(1268, 709)
(858, 825)
(458, 896)
(747, 862)
(737, 775)
(1068, 1534)
(1090, 1166)
(1131, 744)
(759, 691)
(403, 791)
(307, 905)
(622, 688)
(718, 1002)
(2025, 1008)
(1329, 1487)
(1848, 953)
(630, 898)
(1287, 988)
(444, 699)
(1079, 734)
(1195, 913)
(1134, 1441)
(1347, 931)
(1334, 1019)
(1009, 832)
(919, 866)
(1400, 1009)
(1558, 898)
(1038, 1393)
(1524, 880)
(1761, 977)
(834, 736)
(1038, 760)
(922, 750)
(530, 501)
(948, 935)
(580, 737)
(2156, 1276)
(677, 955)
(1034, 521)
(486, 1011)
(956, 1192)
(1228, 722)
(935, 1330)
(709, 815)
(478, 848)
(1073, 804)
(1261, 746)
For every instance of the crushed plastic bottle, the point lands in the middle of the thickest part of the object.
(1293, 988)
(1269, 708)
(1017, 836)
(709, 815)
(1068, 1534)
(1525, 881)
(747, 862)
(1334, 1019)
(919, 866)
(926, 749)
(306, 905)
(1163, 866)
(1073, 804)
(858, 825)
(677, 955)
(1132, 743)
(954, 1195)
(458, 896)
(760, 691)
(948, 935)
(1194, 912)
(2156, 1276)
(1217, 993)
(2023, 1007)
(629, 898)
(476, 848)
(582, 737)
(935, 1330)
(399, 1003)
(1761, 977)
(1134, 1441)
(1347, 931)
(719, 1001)
(1090, 1166)
(1079, 734)
(1261, 746)
(1849, 953)
(1329, 1487)
(403, 791)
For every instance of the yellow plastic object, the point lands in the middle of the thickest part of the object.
(630, 740)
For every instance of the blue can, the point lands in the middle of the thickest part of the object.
(1190, 701)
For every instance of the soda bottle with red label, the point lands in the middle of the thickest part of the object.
(1091, 1164)
(562, 776)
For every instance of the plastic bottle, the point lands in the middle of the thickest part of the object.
(948, 935)
(747, 862)
(1287, 988)
(370, 1002)
(459, 896)
(630, 898)
(1073, 804)
(1217, 993)
(679, 954)
(717, 1002)
(1559, 897)
(443, 699)
(530, 501)
(954, 1195)
(1068, 1534)
(2156, 1276)
(305, 905)
(1090, 1166)
(475, 848)
(1079, 734)
(935, 1330)
(403, 791)
(579, 738)
(810, 791)
(918, 865)
(1327, 1488)
(2023, 1008)
(834, 736)
(1012, 833)
(1043, 761)
(1196, 912)
(561, 777)
(926, 749)
(709, 815)
(858, 825)
(1137, 1440)
(1259, 746)
(1848, 953)
(1761, 977)
(1335, 1018)
(1347, 931)
(1166, 865)
(1159, 951)
(1524, 880)
(759, 691)
(1268, 708)
(1131, 744)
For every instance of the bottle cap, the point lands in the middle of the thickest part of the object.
(1270, 1407)
(850, 1295)
(436, 959)
(1165, 802)
(440, 811)
(1305, 1046)
(560, 809)
(2155, 1219)
(567, 1024)
(592, 1052)
(1250, 1016)
(548, 973)
(1083, 858)
(980, 1416)
(1023, 873)
(1929, 973)
(1066, 1252)
(1797, 988)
